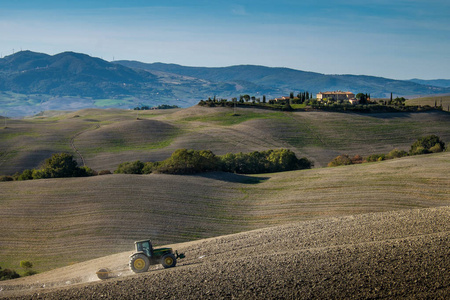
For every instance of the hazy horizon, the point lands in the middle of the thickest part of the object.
(393, 39)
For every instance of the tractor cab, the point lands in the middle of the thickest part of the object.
(144, 246)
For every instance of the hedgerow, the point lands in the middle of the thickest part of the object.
(184, 161)
(424, 145)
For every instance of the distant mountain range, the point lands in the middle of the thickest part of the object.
(435, 82)
(30, 82)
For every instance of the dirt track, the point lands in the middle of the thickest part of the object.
(401, 254)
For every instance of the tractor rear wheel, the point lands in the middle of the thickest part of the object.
(139, 263)
(168, 260)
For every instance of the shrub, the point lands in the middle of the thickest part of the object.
(357, 159)
(85, 171)
(418, 150)
(104, 172)
(436, 148)
(7, 274)
(395, 153)
(6, 178)
(340, 160)
(375, 157)
(424, 145)
(130, 168)
(25, 264)
(26, 175)
(150, 167)
(38, 174)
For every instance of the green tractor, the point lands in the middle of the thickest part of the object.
(146, 255)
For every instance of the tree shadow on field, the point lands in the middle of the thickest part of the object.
(387, 115)
(233, 177)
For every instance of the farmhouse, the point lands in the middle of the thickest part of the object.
(281, 99)
(335, 96)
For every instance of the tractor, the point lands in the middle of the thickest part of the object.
(145, 255)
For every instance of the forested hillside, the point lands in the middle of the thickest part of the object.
(33, 82)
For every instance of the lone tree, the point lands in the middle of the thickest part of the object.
(26, 265)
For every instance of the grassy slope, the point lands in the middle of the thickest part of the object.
(59, 221)
(431, 101)
(106, 138)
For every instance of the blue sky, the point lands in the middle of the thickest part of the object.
(396, 39)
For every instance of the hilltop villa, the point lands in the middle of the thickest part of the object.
(281, 99)
(335, 96)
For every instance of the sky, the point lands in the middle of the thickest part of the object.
(399, 39)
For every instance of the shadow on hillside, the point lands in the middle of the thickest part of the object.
(232, 177)
(387, 115)
(392, 115)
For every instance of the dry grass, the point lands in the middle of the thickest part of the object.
(58, 221)
(106, 138)
(432, 101)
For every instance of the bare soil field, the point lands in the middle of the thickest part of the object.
(390, 255)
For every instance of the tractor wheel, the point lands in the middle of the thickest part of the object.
(139, 263)
(168, 261)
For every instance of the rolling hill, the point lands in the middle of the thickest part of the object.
(32, 82)
(103, 215)
(362, 231)
(287, 80)
(106, 138)
(375, 229)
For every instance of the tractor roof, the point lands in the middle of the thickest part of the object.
(142, 241)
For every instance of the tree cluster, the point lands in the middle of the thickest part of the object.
(302, 97)
(363, 98)
(256, 101)
(424, 145)
(427, 144)
(184, 161)
(59, 165)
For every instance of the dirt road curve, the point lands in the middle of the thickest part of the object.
(402, 254)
